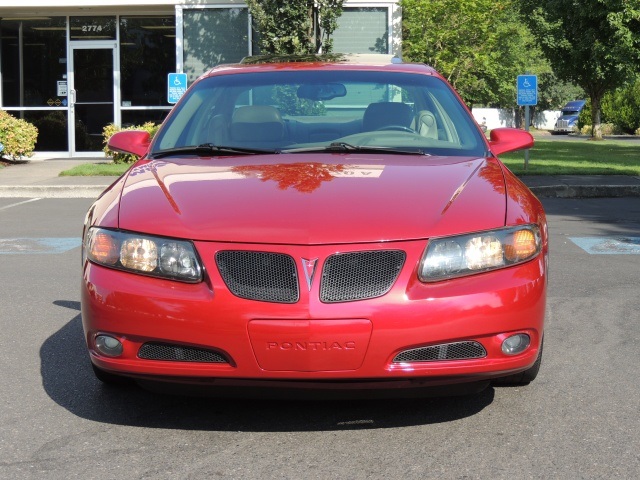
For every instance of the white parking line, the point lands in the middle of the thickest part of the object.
(20, 203)
(23, 246)
(608, 245)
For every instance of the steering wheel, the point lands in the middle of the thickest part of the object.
(399, 128)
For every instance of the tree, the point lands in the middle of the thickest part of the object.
(595, 44)
(295, 27)
(553, 94)
(622, 106)
(480, 46)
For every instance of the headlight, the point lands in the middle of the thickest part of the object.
(146, 254)
(461, 255)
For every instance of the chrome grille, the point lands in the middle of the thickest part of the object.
(267, 277)
(448, 351)
(563, 124)
(179, 353)
(359, 275)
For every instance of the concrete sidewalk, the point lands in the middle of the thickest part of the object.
(39, 179)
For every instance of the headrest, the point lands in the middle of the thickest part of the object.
(257, 123)
(386, 113)
(256, 114)
(427, 125)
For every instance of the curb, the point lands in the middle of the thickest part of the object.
(51, 191)
(586, 191)
(547, 191)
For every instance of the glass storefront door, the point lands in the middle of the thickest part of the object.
(91, 95)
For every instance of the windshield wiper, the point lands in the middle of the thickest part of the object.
(210, 149)
(347, 147)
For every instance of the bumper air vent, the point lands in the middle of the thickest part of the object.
(178, 353)
(447, 351)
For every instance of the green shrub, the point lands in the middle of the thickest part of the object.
(607, 129)
(110, 129)
(584, 119)
(17, 136)
(622, 107)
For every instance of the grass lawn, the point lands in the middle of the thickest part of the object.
(577, 157)
(96, 169)
(547, 157)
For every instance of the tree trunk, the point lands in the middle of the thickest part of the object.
(314, 32)
(596, 127)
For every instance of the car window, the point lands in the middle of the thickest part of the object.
(314, 108)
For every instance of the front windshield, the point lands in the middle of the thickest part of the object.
(310, 110)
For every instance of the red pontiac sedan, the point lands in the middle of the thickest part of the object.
(319, 223)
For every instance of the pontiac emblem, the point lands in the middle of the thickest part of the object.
(309, 269)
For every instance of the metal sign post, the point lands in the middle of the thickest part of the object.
(527, 86)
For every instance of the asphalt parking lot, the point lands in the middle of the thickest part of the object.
(579, 419)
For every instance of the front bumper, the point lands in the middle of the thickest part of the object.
(351, 343)
(565, 126)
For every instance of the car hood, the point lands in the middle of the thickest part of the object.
(309, 199)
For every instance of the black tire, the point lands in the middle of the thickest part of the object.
(110, 378)
(522, 378)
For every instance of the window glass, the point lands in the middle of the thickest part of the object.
(310, 109)
(52, 129)
(34, 62)
(140, 117)
(92, 28)
(147, 55)
(213, 36)
(362, 30)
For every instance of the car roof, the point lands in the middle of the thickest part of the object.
(379, 62)
(350, 58)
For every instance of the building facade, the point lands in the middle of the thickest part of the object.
(71, 70)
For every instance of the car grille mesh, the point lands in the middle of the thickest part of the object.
(359, 275)
(449, 351)
(263, 276)
(179, 353)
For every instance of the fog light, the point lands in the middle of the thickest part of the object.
(109, 346)
(516, 344)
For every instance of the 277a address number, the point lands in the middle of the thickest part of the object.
(91, 28)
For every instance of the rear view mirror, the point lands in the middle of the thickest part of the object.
(321, 91)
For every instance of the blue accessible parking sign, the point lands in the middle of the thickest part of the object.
(527, 89)
(176, 86)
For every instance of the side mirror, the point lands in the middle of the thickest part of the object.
(135, 142)
(503, 140)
